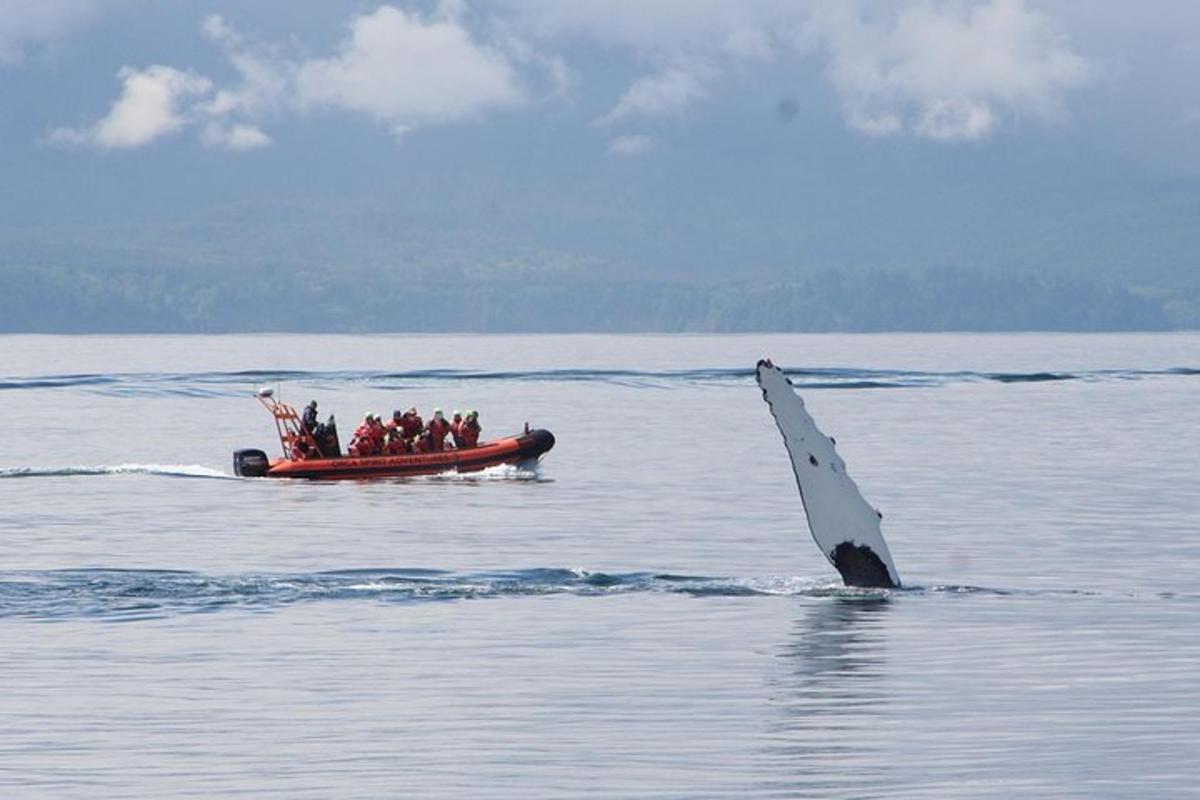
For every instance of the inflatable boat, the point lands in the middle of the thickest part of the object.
(324, 460)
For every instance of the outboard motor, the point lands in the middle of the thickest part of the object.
(250, 463)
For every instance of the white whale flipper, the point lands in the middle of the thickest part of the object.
(844, 525)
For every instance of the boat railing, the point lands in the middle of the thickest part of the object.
(287, 424)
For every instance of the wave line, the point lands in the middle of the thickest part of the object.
(242, 382)
(122, 595)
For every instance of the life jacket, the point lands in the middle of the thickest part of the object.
(395, 445)
(375, 434)
(469, 432)
(438, 428)
(359, 443)
(368, 440)
(412, 425)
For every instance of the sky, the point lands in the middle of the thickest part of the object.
(628, 129)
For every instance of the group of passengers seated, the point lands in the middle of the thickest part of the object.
(407, 433)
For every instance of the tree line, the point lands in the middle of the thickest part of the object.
(81, 300)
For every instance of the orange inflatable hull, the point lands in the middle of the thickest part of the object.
(512, 450)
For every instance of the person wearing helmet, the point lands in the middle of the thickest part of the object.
(360, 444)
(470, 429)
(437, 429)
(376, 433)
(411, 423)
(456, 422)
(394, 443)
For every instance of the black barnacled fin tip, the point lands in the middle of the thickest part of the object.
(860, 566)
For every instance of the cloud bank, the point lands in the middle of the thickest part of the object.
(945, 72)
(394, 67)
(942, 70)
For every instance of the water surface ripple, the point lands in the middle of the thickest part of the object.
(218, 384)
(643, 616)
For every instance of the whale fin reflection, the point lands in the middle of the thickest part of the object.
(844, 525)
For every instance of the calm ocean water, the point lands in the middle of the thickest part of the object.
(643, 616)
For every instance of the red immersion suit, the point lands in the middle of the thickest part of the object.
(438, 430)
(469, 432)
(411, 424)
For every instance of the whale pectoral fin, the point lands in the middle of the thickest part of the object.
(845, 527)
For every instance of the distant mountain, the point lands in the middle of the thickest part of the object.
(741, 230)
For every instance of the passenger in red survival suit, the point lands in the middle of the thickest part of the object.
(470, 429)
(437, 429)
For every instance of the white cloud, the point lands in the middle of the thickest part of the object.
(949, 120)
(522, 53)
(150, 107)
(161, 100)
(406, 72)
(238, 136)
(633, 145)
(696, 41)
(561, 76)
(664, 93)
(266, 74)
(946, 71)
(395, 67)
(31, 22)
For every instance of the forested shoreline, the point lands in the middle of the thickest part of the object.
(79, 300)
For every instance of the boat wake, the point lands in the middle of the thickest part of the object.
(502, 472)
(166, 470)
(127, 595)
